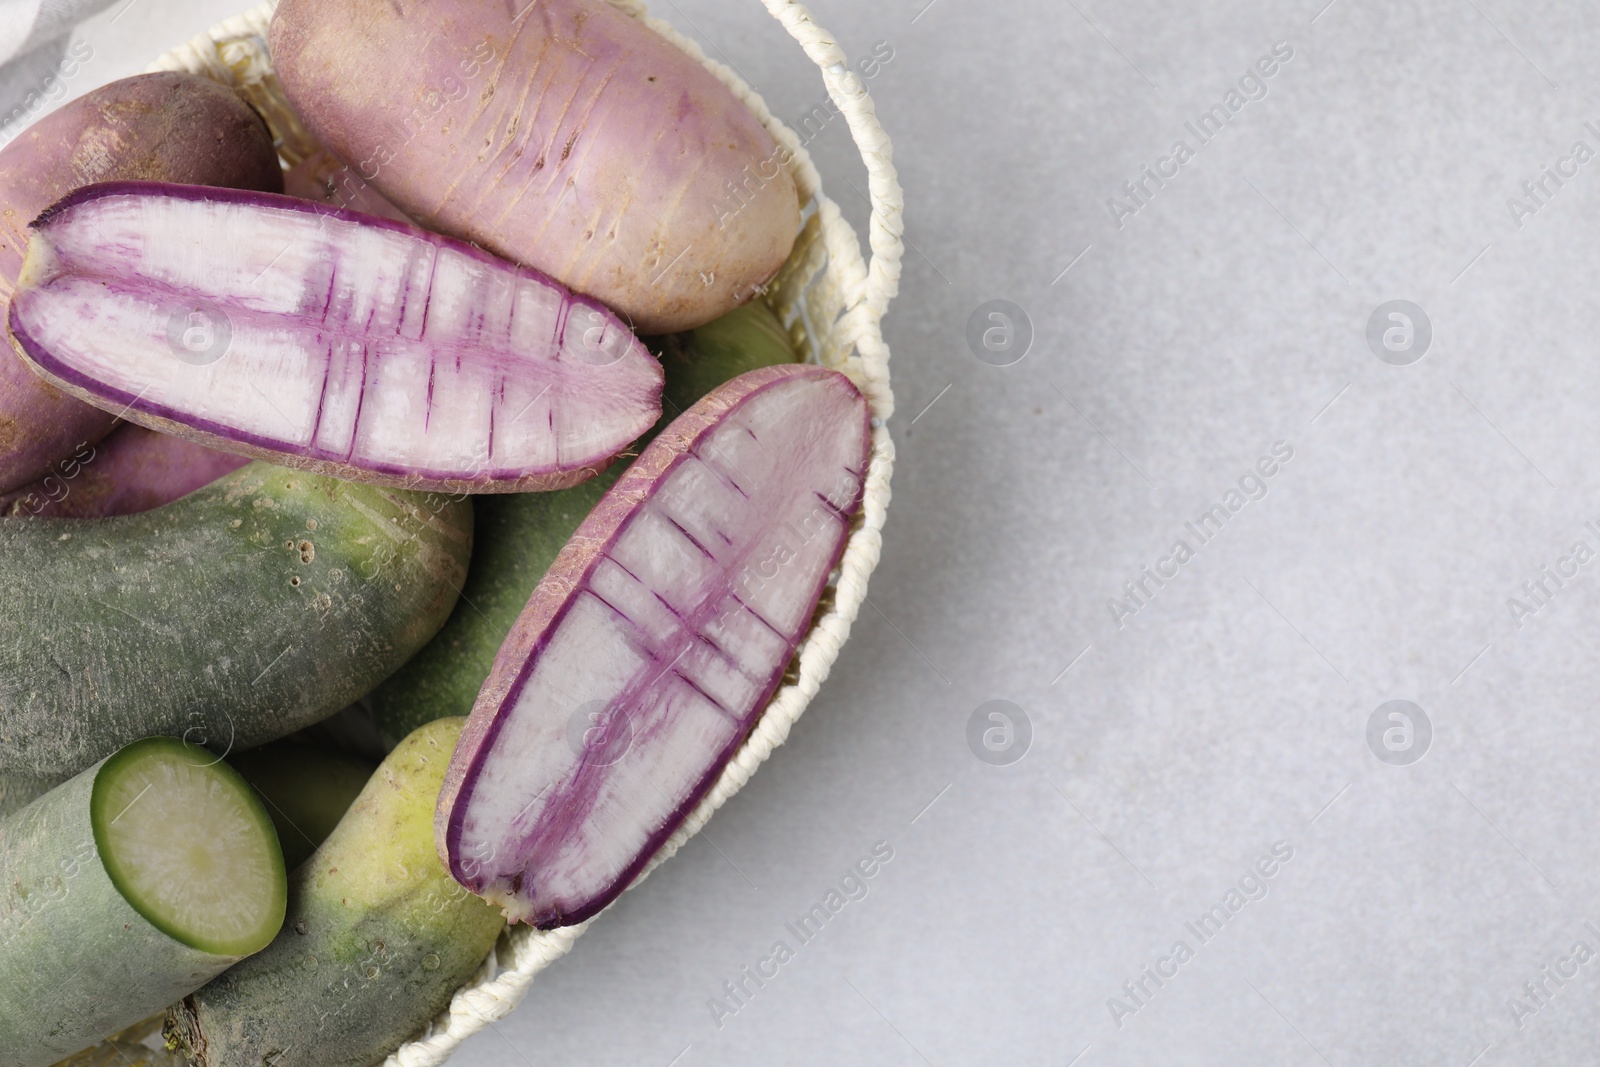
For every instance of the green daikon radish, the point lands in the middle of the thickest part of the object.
(125, 888)
(378, 936)
(306, 790)
(17, 790)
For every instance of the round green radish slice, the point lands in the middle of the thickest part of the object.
(654, 641)
(321, 339)
(190, 847)
(126, 888)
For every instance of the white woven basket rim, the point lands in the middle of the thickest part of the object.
(234, 52)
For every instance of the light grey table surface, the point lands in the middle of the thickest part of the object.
(1178, 740)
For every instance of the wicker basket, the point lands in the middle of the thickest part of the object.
(831, 300)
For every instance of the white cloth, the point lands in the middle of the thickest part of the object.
(33, 56)
(27, 24)
(17, 19)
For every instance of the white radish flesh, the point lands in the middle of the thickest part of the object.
(336, 342)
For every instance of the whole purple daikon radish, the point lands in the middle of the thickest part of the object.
(130, 469)
(654, 642)
(362, 348)
(154, 127)
(562, 134)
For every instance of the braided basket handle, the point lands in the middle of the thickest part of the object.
(883, 183)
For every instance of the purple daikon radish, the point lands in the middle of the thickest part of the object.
(655, 640)
(324, 178)
(326, 340)
(166, 126)
(129, 470)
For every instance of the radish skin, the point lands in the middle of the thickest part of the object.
(321, 339)
(129, 470)
(562, 134)
(248, 610)
(154, 127)
(19, 790)
(654, 642)
(326, 179)
(93, 935)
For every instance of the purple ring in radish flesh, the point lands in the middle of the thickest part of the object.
(317, 338)
(655, 640)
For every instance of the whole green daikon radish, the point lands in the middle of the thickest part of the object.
(243, 612)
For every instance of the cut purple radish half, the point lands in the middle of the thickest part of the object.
(653, 643)
(317, 338)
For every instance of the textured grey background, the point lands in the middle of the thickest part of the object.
(1227, 314)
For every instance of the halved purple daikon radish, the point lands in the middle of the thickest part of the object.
(655, 640)
(323, 339)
